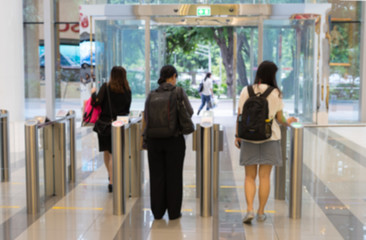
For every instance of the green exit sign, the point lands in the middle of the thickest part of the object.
(203, 11)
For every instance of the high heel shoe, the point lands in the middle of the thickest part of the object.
(110, 188)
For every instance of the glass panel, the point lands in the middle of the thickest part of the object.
(247, 56)
(34, 71)
(122, 42)
(344, 79)
(41, 165)
(68, 85)
(290, 44)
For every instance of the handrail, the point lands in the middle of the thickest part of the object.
(71, 114)
(334, 125)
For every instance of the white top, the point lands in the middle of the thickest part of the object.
(207, 86)
(275, 104)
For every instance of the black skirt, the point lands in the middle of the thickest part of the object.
(105, 143)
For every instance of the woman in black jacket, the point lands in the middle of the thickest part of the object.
(165, 147)
(114, 98)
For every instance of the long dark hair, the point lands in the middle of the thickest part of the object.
(118, 80)
(208, 75)
(167, 72)
(266, 73)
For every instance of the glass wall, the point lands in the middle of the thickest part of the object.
(122, 43)
(247, 56)
(344, 79)
(290, 44)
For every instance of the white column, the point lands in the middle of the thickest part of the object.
(49, 53)
(12, 59)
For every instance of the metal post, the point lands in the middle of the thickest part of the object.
(72, 146)
(60, 158)
(218, 146)
(135, 159)
(4, 158)
(206, 171)
(197, 147)
(296, 162)
(32, 172)
(280, 172)
(118, 156)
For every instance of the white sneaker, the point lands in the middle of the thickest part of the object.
(248, 217)
(261, 217)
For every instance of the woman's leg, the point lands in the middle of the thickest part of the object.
(208, 101)
(108, 164)
(264, 186)
(249, 185)
(203, 102)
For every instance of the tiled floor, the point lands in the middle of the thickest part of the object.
(333, 203)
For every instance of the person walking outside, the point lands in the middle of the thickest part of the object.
(206, 93)
(165, 145)
(114, 98)
(258, 157)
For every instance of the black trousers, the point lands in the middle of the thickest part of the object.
(166, 157)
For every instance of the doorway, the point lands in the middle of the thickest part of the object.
(139, 43)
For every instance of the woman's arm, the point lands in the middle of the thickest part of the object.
(98, 98)
(283, 121)
(187, 103)
(237, 139)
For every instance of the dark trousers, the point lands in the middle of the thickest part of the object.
(166, 157)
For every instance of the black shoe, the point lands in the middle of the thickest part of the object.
(198, 113)
(110, 188)
(172, 218)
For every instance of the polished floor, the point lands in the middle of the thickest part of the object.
(333, 203)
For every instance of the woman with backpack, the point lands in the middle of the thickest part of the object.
(114, 98)
(259, 156)
(165, 144)
(206, 93)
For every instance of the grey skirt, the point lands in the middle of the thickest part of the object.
(267, 153)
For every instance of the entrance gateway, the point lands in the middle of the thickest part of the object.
(290, 35)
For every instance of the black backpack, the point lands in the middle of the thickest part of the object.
(162, 118)
(254, 123)
(200, 87)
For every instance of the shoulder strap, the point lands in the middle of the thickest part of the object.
(267, 92)
(251, 91)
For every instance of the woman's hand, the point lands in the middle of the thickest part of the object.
(93, 90)
(291, 120)
(237, 142)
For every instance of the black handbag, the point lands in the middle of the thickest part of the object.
(185, 122)
(104, 128)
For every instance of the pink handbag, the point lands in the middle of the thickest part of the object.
(91, 113)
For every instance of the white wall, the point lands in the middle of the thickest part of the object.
(12, 59)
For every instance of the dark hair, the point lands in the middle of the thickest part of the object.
(167, 72)
(266, 73)
(118, 80)
(208, 75)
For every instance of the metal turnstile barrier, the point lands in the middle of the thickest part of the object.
(127, 162)
(55, 166)
(296, 163)
(280, 172)
(207, 142)
(4, 145)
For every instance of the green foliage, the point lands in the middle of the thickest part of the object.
(345, 91)
(187, 86)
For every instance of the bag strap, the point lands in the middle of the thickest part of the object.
(267, 92)
(251, 91)
(109, 102)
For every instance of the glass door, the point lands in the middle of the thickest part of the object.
(122, 43)
(290, 44)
